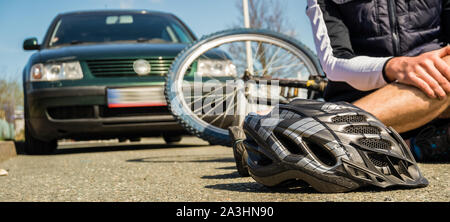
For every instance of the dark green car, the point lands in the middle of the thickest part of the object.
(100, 75)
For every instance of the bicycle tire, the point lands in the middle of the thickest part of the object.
(183, 114)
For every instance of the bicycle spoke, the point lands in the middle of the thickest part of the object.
(209, 103)
(215, 119)
(207, 113)
(204, 96)
(283, 67)
(271, 60)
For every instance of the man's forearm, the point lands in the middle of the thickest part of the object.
(404, 107)
(428, 72)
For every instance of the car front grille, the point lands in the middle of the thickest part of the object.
(124, 67)
(88, 112)
(71, 112)
(106, 112)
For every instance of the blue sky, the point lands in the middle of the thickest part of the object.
(20, 19)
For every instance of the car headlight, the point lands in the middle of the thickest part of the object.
(56, 71)
(214, 67)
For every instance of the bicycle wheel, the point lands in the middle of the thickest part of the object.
(207, 87)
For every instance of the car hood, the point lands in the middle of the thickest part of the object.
(86, 52)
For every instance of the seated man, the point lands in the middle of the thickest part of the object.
(389, 58)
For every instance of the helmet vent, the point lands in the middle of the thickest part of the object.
(375, 143)
(322, 153)
(288, 143)
(402, 170)
(362, 130)
(349, 119)
(378, 160)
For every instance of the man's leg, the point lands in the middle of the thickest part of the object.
(403, 107)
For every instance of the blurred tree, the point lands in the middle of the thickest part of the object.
(10, 92)
(11, 95)
(266, 14)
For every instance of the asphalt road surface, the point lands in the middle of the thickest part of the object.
(153, 171)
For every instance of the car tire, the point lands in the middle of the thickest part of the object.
(213, 144)
(137, 139)
(171, 139)
(35, 146)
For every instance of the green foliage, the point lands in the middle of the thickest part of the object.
(11, 96)
(6, 130)
(10, 93)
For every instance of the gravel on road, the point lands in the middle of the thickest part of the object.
(189, 171)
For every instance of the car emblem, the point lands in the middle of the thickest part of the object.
(141, 67)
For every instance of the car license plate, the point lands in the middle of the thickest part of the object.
(136, 97)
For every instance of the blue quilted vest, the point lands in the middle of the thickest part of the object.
(392, 27)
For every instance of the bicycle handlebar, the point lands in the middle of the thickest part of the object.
(315, 85)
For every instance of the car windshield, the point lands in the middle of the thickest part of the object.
(101, 28)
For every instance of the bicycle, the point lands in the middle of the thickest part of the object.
(216, 81)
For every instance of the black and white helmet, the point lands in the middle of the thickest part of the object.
(334, 147)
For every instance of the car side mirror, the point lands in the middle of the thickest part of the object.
(31, 44)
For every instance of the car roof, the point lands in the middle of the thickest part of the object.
(115, 11)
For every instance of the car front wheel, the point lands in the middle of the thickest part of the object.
(171, 139)
(35, 146)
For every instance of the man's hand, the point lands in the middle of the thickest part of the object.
(428, 72)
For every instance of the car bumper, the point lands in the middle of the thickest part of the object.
(82, 113)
